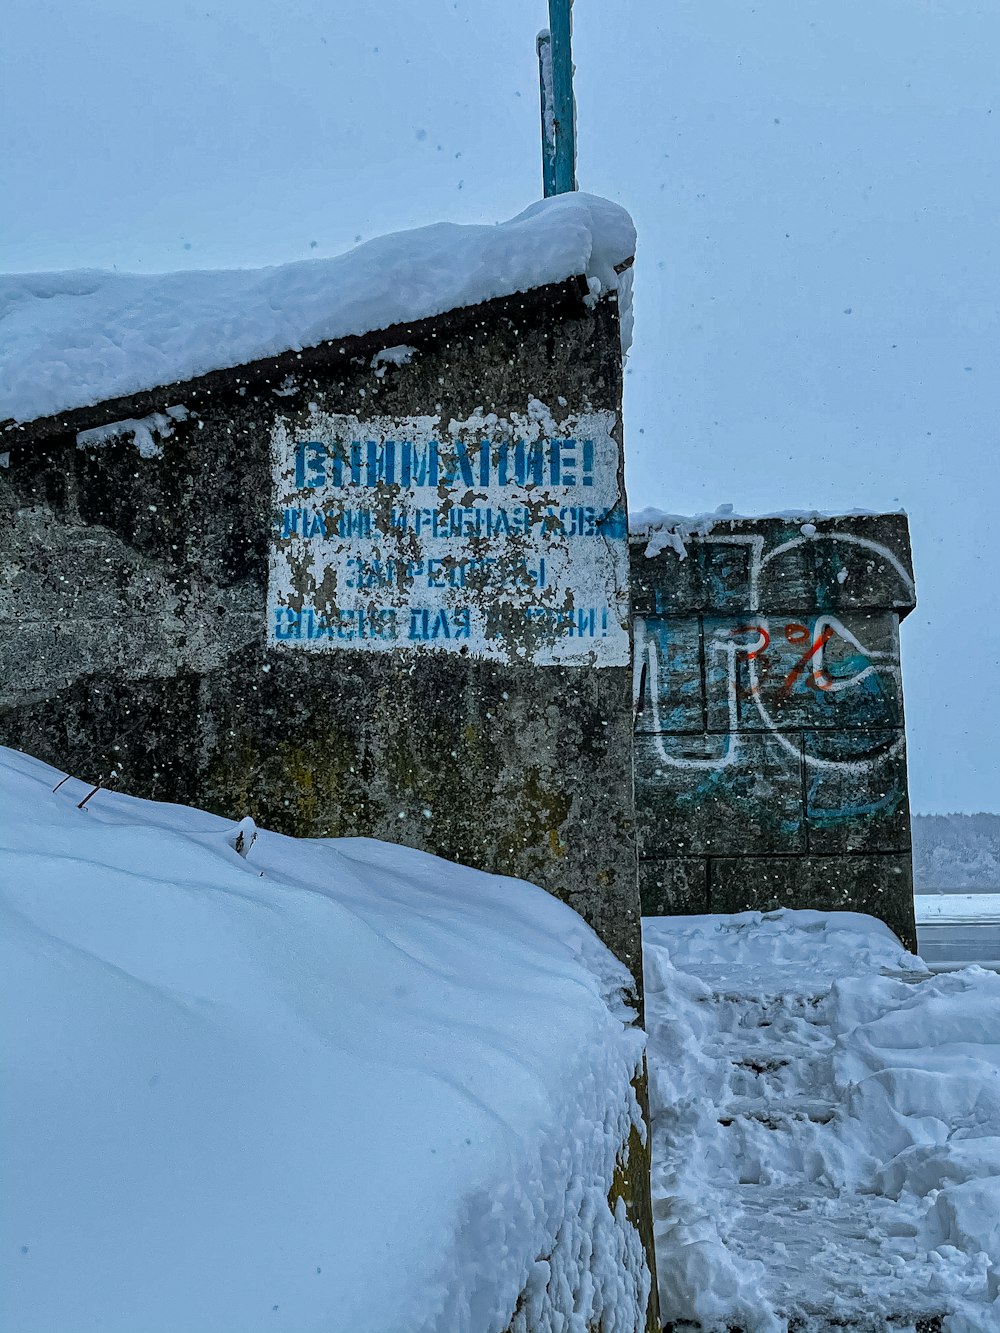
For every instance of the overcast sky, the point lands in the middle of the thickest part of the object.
(816, 186)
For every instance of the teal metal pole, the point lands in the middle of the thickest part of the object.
(555, 69)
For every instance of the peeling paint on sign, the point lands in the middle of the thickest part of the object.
(490, 537)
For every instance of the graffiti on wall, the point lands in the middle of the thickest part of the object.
(799, 713)
(782, 676)
(491, 537)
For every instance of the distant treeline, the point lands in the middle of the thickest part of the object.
(956, 852)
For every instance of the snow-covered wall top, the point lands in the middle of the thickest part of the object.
(665, 530)
(69, 340)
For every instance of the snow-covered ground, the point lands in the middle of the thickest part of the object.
(272, 1084)
(256, 1082)
(826, 1127)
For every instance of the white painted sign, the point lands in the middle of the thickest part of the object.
(496, 538)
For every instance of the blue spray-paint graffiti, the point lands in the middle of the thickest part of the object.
(773, 712)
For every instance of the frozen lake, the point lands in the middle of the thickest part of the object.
(962, 943)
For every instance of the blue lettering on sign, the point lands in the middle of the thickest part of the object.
(310, 623)
(588, 463)
(353, 523)
(428, 625)
(525, 463)
(381, 463)
(310, 464)
(577, 623)
(454, 521)
(459, 465)
(419, 465)
(463, 541)
(613, 523)
(529, 464)
(367, 574)
(312, 523)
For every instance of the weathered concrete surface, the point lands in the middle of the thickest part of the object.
(134, 589)
(770, 747)
(850, 562)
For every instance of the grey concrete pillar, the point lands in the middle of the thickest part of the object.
(770, 745)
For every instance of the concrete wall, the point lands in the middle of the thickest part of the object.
(153, 646)
(770, 749)
(244, 597)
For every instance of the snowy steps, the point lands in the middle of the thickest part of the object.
(932, 1324)
(823, 1250)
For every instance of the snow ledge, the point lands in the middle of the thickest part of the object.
(73, 339)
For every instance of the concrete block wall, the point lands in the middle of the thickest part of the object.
(351, 595)
(770, 754)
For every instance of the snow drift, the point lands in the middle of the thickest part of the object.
(73, 339)
(826, 1127)
(303, 1085)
